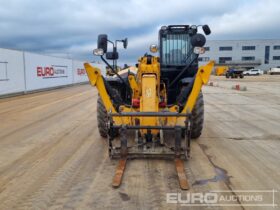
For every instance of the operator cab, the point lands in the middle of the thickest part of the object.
(174, 42)
(178, 59)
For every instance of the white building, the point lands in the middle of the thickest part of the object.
(262, 54)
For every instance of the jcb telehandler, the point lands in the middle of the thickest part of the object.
(163, 96)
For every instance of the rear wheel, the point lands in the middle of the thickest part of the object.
(198, 117)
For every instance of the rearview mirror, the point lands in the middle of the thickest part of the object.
(112, 55)
(102, 42)
(206, 29)
(125, 43)
(198, 40)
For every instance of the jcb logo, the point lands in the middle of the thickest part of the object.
(148, 92)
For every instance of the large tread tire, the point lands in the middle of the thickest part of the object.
(102, 118)
(198, 117)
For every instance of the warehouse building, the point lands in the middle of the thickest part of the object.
(245, 54)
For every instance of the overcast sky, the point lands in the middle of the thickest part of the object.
(70, 27)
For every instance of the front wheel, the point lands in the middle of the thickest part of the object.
(102, 118)
(198, 117)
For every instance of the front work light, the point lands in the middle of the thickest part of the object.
(199, 50)
(98, 52)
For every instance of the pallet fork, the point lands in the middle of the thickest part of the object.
(180, 151)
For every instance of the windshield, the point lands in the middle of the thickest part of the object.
(175, 48)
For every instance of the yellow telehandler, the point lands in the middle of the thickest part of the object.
(163, 96)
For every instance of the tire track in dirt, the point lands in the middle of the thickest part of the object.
(44, 168)
(43, 198)
(64, 109)
(30, 101)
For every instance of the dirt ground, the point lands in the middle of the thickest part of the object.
(51, 155)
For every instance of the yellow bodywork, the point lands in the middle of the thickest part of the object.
(149, 100)
(221, 70)
(147, 88)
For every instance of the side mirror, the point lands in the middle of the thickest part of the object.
(206, 29)
(112, 55)
(198, 40)
(102, 42)
(125, 43)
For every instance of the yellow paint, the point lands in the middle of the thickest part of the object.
(134, 86)
(146, 87)
(221, 70)
(149, 99)
(96, 79)
(202, 78)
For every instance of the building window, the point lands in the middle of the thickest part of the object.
(276, 47)
(276, 58)
(224, 59)
(225, 48)
(248, 47)
(207, 48)
(266, 54)
(248, 58)
(203, 59)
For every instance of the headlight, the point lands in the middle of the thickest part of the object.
(194, 27)
(153, 48)
(98, 52)
(199, 50)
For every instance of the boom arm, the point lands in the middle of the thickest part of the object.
(202, 78)
(96, 79)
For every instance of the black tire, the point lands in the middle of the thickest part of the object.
(198, 117)
(102, 118)
(241, 76)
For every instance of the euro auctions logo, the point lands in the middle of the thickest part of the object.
(81, 72)
(51, 71)
(253, 198)
(45, 71)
